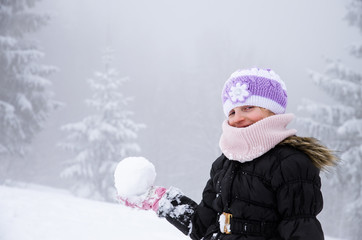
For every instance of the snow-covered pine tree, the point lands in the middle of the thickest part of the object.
(25, 97)
(100, 141)
(340, 127)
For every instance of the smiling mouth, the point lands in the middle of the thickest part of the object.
(242, 126)
(247, 125)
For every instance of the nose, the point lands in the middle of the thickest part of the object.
(237, 119)
(239, 116)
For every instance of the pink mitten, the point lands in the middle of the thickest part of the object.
(147, 201)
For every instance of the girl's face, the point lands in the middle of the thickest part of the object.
(244, 116)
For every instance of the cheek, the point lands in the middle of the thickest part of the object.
(257, 117)
(232, 122)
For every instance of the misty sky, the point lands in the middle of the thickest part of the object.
(178, 54)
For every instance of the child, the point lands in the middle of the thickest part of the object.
(266, 183)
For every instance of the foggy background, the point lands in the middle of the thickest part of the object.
(177, 55)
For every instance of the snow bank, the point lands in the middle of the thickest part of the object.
(134, 176)
(47, 213)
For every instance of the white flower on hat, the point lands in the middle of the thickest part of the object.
(239, 92)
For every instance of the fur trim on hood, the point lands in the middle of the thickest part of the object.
(321, 156)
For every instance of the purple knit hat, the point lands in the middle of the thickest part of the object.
(255, 87)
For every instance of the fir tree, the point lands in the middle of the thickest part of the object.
(25, 98)
(100, 141)
(340, 126)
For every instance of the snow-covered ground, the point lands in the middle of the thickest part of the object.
(43, 213)
(48, 214)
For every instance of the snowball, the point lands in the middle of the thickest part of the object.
(134, 176)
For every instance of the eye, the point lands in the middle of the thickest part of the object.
(232, 112)
(247, 108)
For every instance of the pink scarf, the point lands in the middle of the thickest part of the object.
(246, 144)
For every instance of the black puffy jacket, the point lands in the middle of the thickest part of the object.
(275, 196)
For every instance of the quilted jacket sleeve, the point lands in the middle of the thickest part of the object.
(190, 218)
(204, 219)
(297, 185)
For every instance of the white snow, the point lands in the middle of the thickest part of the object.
(50, 214)
(43, 213)
(24, 102)
(134, 176)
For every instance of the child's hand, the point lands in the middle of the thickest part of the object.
(146, 201)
